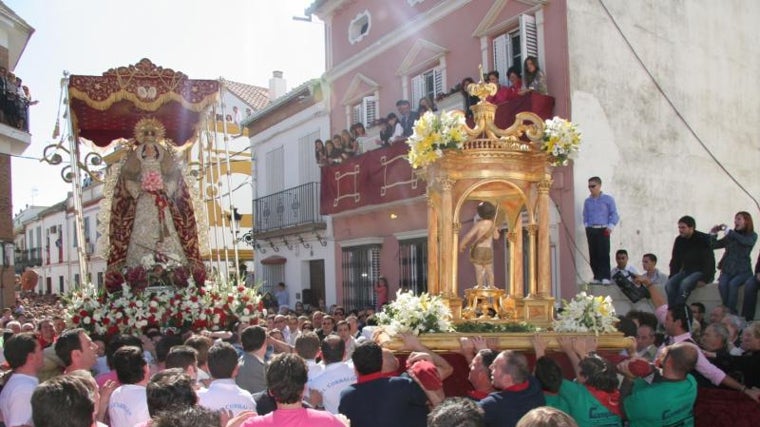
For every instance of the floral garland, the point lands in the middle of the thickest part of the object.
(587, 313)
(433, 134)
(415, 314)
(211, 307)
(561, 140)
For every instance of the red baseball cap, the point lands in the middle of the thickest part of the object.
(640, 368)
(427, 373)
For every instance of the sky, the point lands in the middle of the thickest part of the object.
(239, 40)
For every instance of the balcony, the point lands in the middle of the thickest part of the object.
(384, 175)
(292, 211)
(13, 141)
(27, 258)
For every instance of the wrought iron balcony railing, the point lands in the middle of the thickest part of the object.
(288, 209)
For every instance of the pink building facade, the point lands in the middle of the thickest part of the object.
(381, 52)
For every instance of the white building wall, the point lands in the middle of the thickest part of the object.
(704, 56)
(286, 134)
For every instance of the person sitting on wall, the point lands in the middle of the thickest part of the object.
(482, 234)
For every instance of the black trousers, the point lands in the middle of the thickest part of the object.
(599, 252)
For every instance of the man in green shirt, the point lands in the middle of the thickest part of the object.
(669, 401)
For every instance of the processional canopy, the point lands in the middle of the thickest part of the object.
(108, 107)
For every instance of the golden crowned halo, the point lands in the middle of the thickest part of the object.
(149, 130)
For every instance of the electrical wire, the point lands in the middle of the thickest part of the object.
(675, 109)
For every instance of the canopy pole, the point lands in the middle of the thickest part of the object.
(219, 196)
(206, 181)
(233, 221)
(76, 185)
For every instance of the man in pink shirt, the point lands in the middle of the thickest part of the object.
(286, 379)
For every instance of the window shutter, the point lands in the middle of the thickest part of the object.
(418, 89)
(501, 56)
(528, 36)
(369, 107)
(275, 170)
(308, 162)
(356, 114)
(438, 82)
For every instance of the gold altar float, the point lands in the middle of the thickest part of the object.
(506, 168)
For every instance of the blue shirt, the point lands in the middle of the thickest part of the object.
(600, 211)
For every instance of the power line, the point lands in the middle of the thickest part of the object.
(675, 109)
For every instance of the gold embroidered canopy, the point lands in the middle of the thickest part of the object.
(107, 107)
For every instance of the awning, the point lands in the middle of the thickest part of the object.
(107, 107)
(274, 260)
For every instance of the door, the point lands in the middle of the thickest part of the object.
(316, 282)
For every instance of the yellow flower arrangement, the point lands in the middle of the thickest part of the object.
(433, 134)
(561, 140)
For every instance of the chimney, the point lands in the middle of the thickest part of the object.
(277, 86)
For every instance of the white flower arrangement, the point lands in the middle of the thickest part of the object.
(561, 140)
(210, 307)
(587, 313)
(434, 133)
(416, 314)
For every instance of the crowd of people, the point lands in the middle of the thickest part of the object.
(692, 261)
(298, 368)
(397, 126)
(15, 100)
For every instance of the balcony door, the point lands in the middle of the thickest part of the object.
(316, 282)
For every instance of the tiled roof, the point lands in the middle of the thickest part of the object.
(255, 96)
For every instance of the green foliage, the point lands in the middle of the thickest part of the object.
(488, 327)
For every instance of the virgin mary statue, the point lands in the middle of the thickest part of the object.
(149, 211)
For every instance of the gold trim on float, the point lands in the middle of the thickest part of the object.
(449, 342)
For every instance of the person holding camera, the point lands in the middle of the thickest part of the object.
(735, 265)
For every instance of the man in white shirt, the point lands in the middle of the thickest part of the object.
(336, 376)
(129, 403)
(24, 355)
(223, 393)
(344, 332)
(621, 258)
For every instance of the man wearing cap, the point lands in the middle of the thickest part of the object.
(600, 216)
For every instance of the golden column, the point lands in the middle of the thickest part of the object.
(544, 252)
(516, 262)
(433, 253)
(447, 237)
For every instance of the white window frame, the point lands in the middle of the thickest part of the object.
(503, 56)
(355, 33)
(363, 110)
(420, 81)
